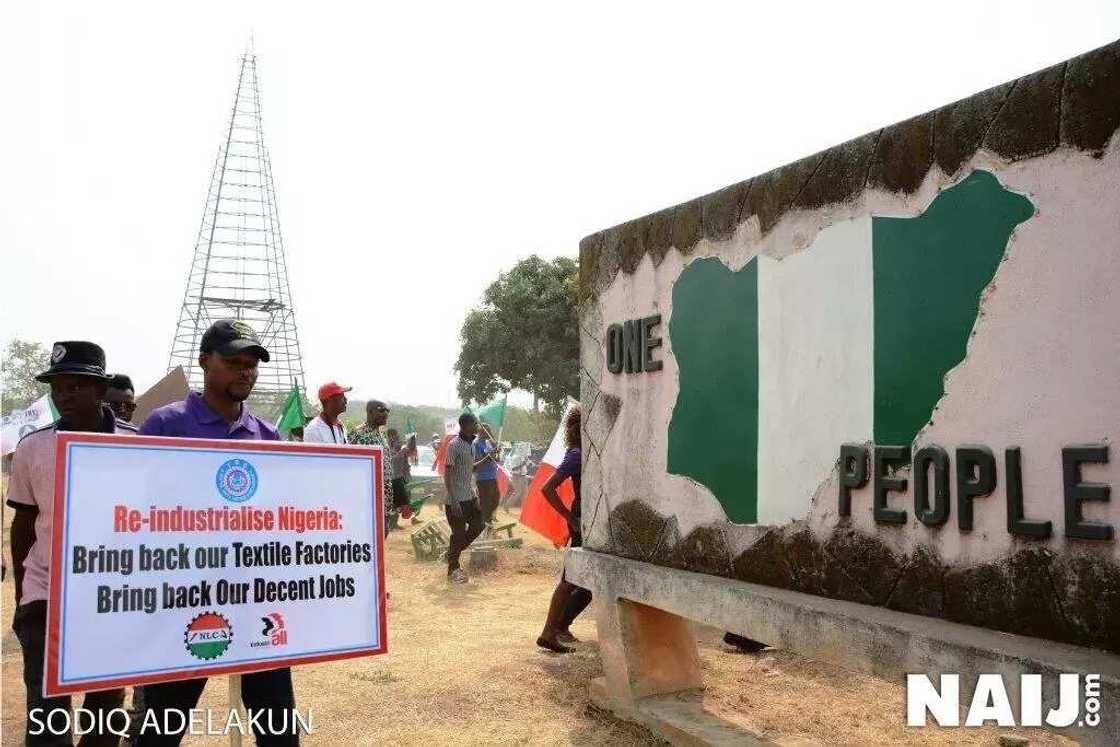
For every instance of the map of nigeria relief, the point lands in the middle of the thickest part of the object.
(848, 340)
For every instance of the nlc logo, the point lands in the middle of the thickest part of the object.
(990, 701)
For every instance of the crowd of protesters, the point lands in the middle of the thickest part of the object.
(90, 399)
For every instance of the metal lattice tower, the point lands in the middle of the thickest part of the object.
(239, 270)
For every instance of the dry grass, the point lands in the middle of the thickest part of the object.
(463, 669)
(795, 700)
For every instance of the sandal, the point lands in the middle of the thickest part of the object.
(553, 646)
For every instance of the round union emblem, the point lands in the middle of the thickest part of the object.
(236, 480)
(208, 635)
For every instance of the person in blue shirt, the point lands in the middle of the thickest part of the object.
(568, 600)
(486, 473)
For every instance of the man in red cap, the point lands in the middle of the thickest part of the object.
(326, 428)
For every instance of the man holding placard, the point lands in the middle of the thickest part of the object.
(229, 355)
(206, 546)
(78, 384)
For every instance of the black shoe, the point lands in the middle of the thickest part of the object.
(744, 644)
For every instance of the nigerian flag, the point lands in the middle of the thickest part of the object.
(292, 414)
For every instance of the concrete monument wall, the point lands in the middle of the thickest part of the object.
(887, 373)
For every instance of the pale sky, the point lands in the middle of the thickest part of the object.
(419, 148)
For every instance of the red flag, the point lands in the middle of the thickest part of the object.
(450, 430)
(440, 464)
(536, 513)
(504, 480)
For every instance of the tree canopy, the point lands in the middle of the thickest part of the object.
(520, 425)
(23, 361)
(524, 335)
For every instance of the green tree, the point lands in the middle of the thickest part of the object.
(426, 419)
(526, 425)
(524, 335)
(22, 362)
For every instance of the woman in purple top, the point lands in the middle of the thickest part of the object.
(568, 600)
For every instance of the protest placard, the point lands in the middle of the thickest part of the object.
(176, 558)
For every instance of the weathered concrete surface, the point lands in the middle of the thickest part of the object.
(1073, 598)
(1071, 104)
(647, 652)
(483, 559)
(685, 719)
(1015, 388)
(789, 340)
(689, 720)
(884, 642)
(652, 676)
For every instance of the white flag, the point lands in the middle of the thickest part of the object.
(19, 423)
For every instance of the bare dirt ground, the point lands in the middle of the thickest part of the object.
(463, 669)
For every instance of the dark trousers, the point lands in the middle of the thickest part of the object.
(30, 626)
(580, 597)
(269, 691)
(465, 529)
(401, 493)
(577, 603)
(488, 497)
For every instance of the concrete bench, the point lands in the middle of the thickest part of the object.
(649, 652)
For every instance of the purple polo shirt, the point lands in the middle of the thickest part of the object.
(193, 418)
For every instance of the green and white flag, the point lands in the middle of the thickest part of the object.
(292, 415)
(494, 415)
(18, 423)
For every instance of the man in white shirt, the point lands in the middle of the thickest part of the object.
(326, 428)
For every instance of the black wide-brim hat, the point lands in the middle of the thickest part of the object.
(77, 358)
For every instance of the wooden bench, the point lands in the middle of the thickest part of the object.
(493, 530)
(513, 542)
(431, 541)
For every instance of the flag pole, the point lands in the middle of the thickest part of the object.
(235, 705)
(502, 427)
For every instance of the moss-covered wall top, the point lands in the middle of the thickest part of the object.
(1072, 104)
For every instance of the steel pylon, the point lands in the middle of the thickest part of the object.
(238, 270)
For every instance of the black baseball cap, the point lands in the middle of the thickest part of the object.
(230, 337)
